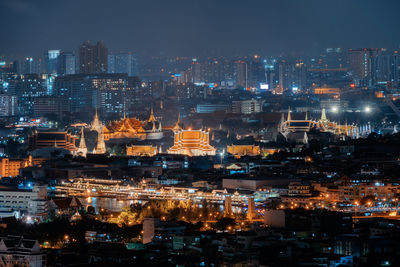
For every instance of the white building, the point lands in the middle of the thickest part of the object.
(32, 201)
(247, 106)
(17, 251)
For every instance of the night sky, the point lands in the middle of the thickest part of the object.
(198, 27)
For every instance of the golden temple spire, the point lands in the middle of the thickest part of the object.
(323, 115)
(100, 146)
(289, 117)
(152, 118)
(96, 124)
(82, 149)
(306, 116)
(177, 126)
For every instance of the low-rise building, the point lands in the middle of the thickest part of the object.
(144, 150)
(18, 251)
(32, 201)
(12, 167)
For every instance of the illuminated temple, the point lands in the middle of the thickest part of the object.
(323, 124)
(133, 128)
(143, 150)
(191, 142)
(244, 150)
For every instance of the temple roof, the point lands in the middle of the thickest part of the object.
(126, 125)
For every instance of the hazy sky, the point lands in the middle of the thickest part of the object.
(193, 27)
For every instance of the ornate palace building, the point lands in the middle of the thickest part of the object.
(133, 128)
(191, 143)
(323, 124)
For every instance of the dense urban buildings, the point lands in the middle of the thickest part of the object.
(211, 133)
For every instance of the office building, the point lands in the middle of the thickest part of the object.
(110, 93)
(29, 65)
(67, 63)
(240, 73)
(52, 58)
(247, 106)
(27, 88)
(361, 64)
(123, 63)
(256, 72)
(93, 58)
(50, 106)
(8, 105)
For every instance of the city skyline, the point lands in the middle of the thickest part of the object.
(199, 28)
(258, 133)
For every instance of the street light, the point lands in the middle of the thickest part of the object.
(335, 109)
(367, 109)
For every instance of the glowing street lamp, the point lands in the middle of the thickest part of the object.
(367, 109)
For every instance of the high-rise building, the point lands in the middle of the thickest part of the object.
(93, 58)
(111, 93)
(256, 72)
(292, 76)
(387, 68)
(122, 63)
(212, 71)
(396, 68)
(283, 75)
(52, 61)
(67, 63)
(45, 106)
(361, 64)
(240, 73)
(196, 71)
(8, 105)
(270, 74)
(30, 65)
(29, 87)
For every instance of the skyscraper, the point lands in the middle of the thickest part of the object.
(256, 72)
(240, 73)
(361, 65)
(122, 62)
(52, 61)
(30, 66)
(93, 58)
(67, 64)
(196, 71)
(111, 93)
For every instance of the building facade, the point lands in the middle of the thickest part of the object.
(192, 143)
